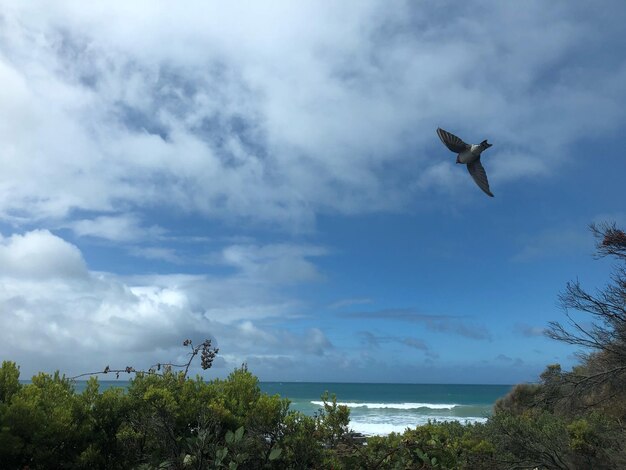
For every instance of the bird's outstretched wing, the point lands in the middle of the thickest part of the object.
(451, 141)
(480, 176)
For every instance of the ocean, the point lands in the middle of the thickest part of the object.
(378, 409)
(385, 408)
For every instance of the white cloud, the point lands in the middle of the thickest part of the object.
(281, 341)
(119, 228)
(278, 112)
(443, 176)
(54, 311)
(513, 166)
(278, 262)
(39, 255)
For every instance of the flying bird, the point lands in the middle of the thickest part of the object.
(470, 155)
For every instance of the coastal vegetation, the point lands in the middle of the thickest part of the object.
(168, 420)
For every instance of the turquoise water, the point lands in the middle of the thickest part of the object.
(385, 408)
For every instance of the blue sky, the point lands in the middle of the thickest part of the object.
(268, 175)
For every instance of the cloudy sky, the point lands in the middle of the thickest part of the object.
(267, 175)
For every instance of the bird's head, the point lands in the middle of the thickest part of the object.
(485, 145)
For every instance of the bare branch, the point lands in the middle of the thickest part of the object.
(605, 335)
(207, 355)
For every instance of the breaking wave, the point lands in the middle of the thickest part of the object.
(374, 427)
(395, 406)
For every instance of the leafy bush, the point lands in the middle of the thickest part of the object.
(165, 421)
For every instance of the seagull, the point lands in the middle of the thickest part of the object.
(469, 154)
